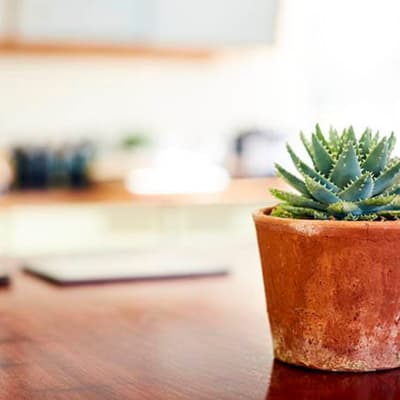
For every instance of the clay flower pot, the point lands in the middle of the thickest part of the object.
(333, 291)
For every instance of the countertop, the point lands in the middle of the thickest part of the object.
(239, 191)
(204, 339)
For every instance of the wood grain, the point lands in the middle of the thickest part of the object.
(195, 339)
(192, 339)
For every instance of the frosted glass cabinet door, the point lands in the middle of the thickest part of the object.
(3, 18)
(215, 22)
(98, 21)
(189, 23)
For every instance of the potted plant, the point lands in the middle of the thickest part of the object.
(330, 255)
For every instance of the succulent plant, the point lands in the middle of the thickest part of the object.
(351, 179)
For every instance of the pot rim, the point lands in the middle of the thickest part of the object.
(261, 216)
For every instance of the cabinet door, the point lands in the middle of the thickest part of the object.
(4, 19)
(2, 23)
(186, 23)
(98, 21)
(215, 22)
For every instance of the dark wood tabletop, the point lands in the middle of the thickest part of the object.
(183, 339)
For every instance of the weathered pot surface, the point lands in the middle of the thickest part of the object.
(333, 291)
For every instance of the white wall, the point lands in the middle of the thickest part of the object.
(192, 103)
(348, 55)
(334, 63)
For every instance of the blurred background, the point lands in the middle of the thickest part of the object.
(130, 123)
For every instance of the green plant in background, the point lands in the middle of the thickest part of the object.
(134, 140)
(350, 179)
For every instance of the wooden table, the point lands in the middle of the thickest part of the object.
(185, 339)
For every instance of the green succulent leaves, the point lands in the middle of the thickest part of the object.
(347, 167)
(360, 189)
(350, 179)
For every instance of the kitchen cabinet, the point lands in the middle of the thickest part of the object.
(90, 21)
(3, 18)
(160, 24)
(107, 216)
(215, 22)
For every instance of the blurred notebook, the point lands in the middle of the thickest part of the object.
(112, 267)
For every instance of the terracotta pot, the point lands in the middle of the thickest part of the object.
(333, 291)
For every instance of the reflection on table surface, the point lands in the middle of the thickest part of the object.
(290, 382)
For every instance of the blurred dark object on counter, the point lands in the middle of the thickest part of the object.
(4, 281)
(48, 167)
(253, 151)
